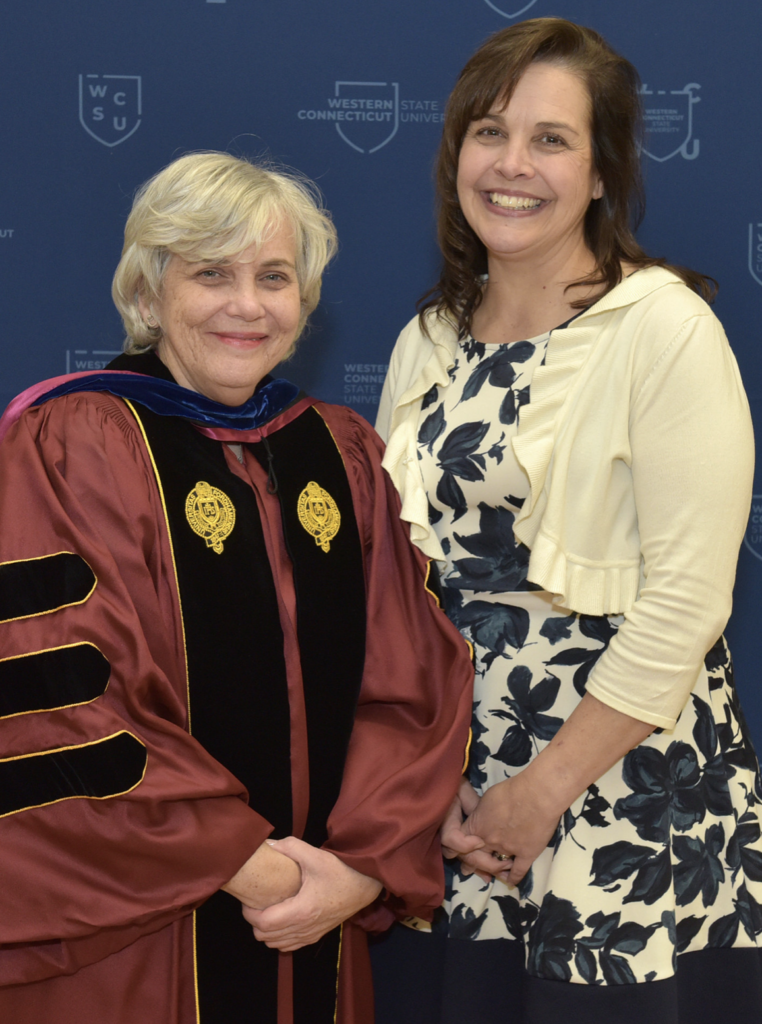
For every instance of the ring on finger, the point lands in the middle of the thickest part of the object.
(501, 856)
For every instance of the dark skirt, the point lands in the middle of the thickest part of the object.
(647, 905)
(427, 978)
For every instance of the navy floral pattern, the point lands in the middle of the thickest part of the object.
(663, 855)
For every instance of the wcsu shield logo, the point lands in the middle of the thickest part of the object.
(755, 252)
(110, 106)
(753, 537)
(499, 7)
(669, 122)
(367, 114)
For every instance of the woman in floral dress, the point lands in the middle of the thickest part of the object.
(570, 438)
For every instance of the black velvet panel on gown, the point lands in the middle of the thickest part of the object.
(238, 689)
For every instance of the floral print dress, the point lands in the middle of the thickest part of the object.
(663, 855)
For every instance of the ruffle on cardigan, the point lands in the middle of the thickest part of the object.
(580, 584)
(577, 583)
(585, 586)
(401, 458)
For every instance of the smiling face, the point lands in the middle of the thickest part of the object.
(525, 172)
(225, 325)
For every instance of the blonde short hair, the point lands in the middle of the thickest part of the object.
(213, 206)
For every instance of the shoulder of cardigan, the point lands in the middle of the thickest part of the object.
(631, 290)
(443, 332)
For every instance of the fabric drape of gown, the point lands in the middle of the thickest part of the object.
(105, 860)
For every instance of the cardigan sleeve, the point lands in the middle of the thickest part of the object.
(692, 457)
(388, 395)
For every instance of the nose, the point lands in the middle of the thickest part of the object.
(245, 299)
(514, 160)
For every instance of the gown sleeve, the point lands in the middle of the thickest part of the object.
(408, 744)
(114, 821)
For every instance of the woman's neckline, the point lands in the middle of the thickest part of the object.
(537, 339)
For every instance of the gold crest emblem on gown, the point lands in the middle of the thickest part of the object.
(210, 514)
(319, 514)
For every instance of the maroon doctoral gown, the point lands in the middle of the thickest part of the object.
(117, 824)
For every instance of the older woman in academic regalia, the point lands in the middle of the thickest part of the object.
(225, 682)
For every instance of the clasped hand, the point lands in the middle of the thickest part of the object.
(508, 819)
(330, 892)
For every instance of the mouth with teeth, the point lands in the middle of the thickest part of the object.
(513, 202)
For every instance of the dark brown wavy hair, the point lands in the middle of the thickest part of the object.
(491, 76)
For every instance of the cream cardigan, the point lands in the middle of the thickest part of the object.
(638, 445)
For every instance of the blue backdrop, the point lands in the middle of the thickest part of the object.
(99, 96)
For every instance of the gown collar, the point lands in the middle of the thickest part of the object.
(146, 380)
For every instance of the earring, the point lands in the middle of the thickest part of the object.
(151, 321)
